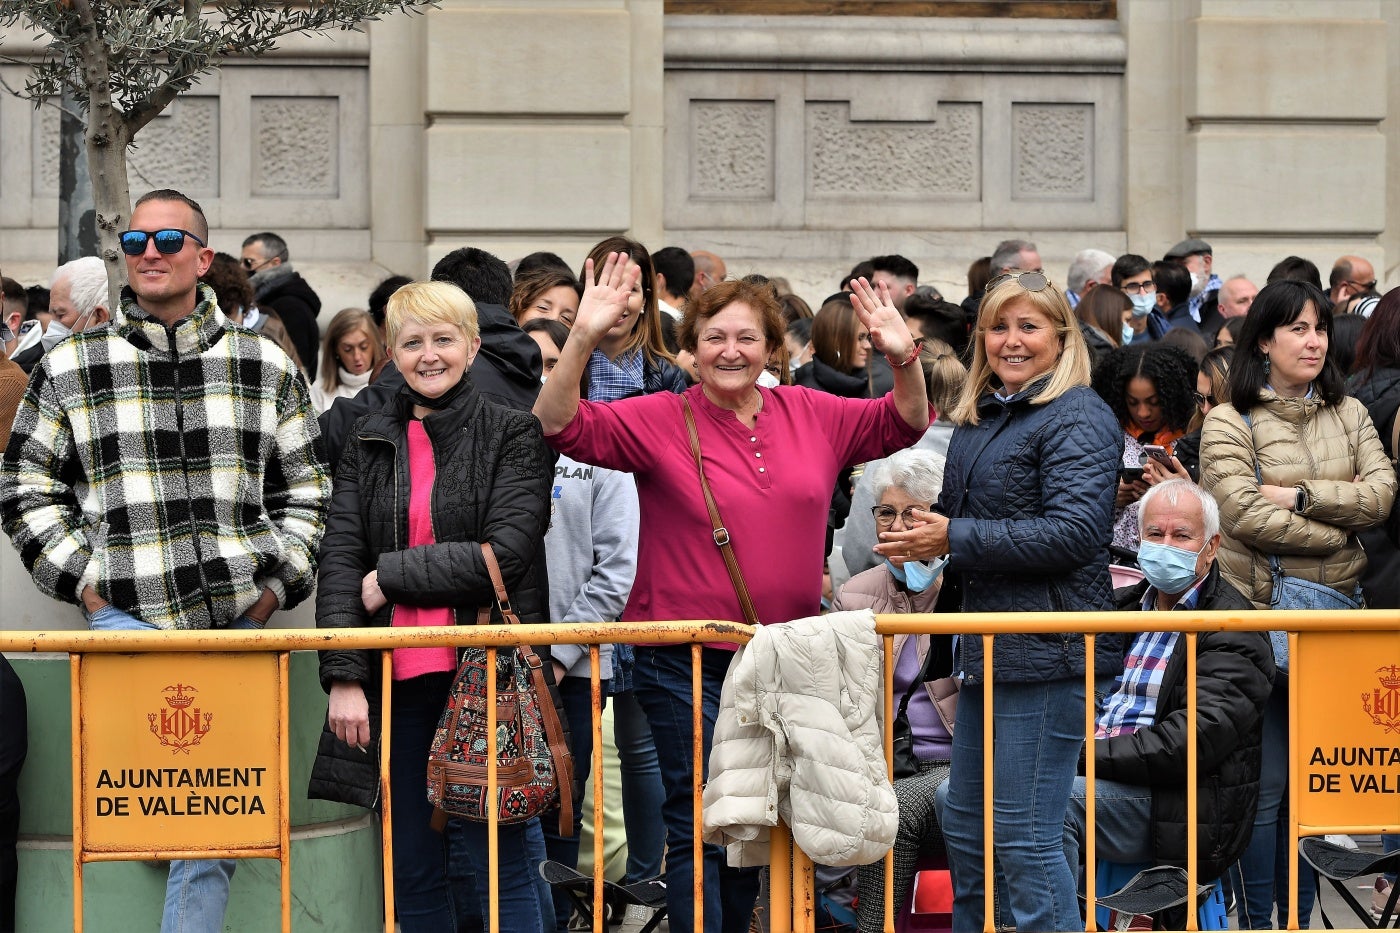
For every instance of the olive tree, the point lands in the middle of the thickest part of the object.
(122, 62)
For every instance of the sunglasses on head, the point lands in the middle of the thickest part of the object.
(168, 242)
(1031, 281)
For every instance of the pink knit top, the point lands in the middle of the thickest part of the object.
(414, 662)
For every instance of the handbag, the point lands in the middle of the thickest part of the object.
(945, 700)
(721, 534)
(534, 767)
(1294, 592)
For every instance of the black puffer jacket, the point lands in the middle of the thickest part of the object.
(1379, 391)
(297, 304)
(493, 477)
(1029, 491)
(1234, 675)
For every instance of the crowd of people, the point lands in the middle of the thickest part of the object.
(604, 428)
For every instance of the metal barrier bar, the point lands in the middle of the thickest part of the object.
(1192, 784)
(989, 869)
(888, 645)
(790, 877)
(697, 767)
(1091, 913)
(1291, 857)
(595, 695)
(386, 701)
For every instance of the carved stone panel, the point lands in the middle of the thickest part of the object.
(178, 149)
(1053, 151)
(942, 159)
(295, 146)
(732, 150)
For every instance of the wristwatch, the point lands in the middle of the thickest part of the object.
(1300, 501)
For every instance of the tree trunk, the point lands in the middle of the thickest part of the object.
(77, 217)
(106, 157)
(108, 135)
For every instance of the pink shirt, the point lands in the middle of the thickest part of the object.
(414, 662)
(772, 485)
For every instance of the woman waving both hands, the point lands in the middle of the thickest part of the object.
(766, 452)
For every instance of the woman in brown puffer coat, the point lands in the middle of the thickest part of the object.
(1325, 477)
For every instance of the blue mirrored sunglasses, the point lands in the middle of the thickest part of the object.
(168, 242)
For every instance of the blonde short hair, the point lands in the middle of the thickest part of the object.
(1071, 368)
(430, 303)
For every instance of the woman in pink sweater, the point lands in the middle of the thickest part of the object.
(771, 457)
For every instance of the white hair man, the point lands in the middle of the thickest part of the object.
(1090, 269)
(1140, 737)
(77, 298)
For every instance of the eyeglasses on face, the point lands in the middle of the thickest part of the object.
(1032, 281)
(168, 242)
(885, 515)
(1139, 288)
(1204, 400)
(1362, 286)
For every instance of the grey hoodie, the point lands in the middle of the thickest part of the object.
(591, 550)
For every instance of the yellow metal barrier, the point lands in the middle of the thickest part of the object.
(1374, 638)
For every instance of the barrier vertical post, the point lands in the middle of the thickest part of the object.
(697, 749)
(780, 878)
(1192, 830)
(386, 690)
(595, 722)
(803, 892)
(493, 829)
(1091, 894)
(988, 827)
(890, 905)
(75, 695)
(284, 793)
(1291, 856)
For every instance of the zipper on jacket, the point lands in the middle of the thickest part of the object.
(185, 468)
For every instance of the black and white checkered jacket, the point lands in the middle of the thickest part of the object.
(176, 470)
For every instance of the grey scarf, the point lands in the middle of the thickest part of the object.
(265, 280)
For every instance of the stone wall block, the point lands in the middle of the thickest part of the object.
(1287, 69)
(522, 177)
(1276, 181)
(529, 61)
(296, 146)
(1053, 158)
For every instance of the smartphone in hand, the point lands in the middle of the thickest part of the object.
(1158, 453)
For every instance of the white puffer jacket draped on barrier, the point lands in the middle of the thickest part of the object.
(799, 736)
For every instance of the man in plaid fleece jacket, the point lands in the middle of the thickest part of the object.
(165, 472)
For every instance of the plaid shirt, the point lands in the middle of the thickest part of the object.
(177, 471)
(1133, 704)
(609, 381)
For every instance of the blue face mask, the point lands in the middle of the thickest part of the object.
(1170, 570)
(917, 575)
(1128, 334)
(1143, 304)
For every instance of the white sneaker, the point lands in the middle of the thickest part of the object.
(635, 917)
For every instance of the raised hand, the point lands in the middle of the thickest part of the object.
(604, 302)
(888, 332)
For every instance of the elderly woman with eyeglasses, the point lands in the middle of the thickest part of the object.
(767, 453)
(906, 482)
(1024, 517)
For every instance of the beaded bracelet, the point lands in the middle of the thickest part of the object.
(913, 355)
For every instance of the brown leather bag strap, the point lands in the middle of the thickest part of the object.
(549, 711)
(721, 534)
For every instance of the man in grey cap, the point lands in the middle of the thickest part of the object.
(1195, 254)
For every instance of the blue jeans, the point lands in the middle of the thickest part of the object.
(1261, 880)
(642, 792)
(662, 684)
(196, 890)
(578, 711)
(426, 892)
(1123, 824)
(1039, 732)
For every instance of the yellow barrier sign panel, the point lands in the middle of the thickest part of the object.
(180, 751)
(1348, 687)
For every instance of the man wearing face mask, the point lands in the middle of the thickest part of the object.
(1140, 739)
(77, 299)
(1132, 275)
(1196, 255)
